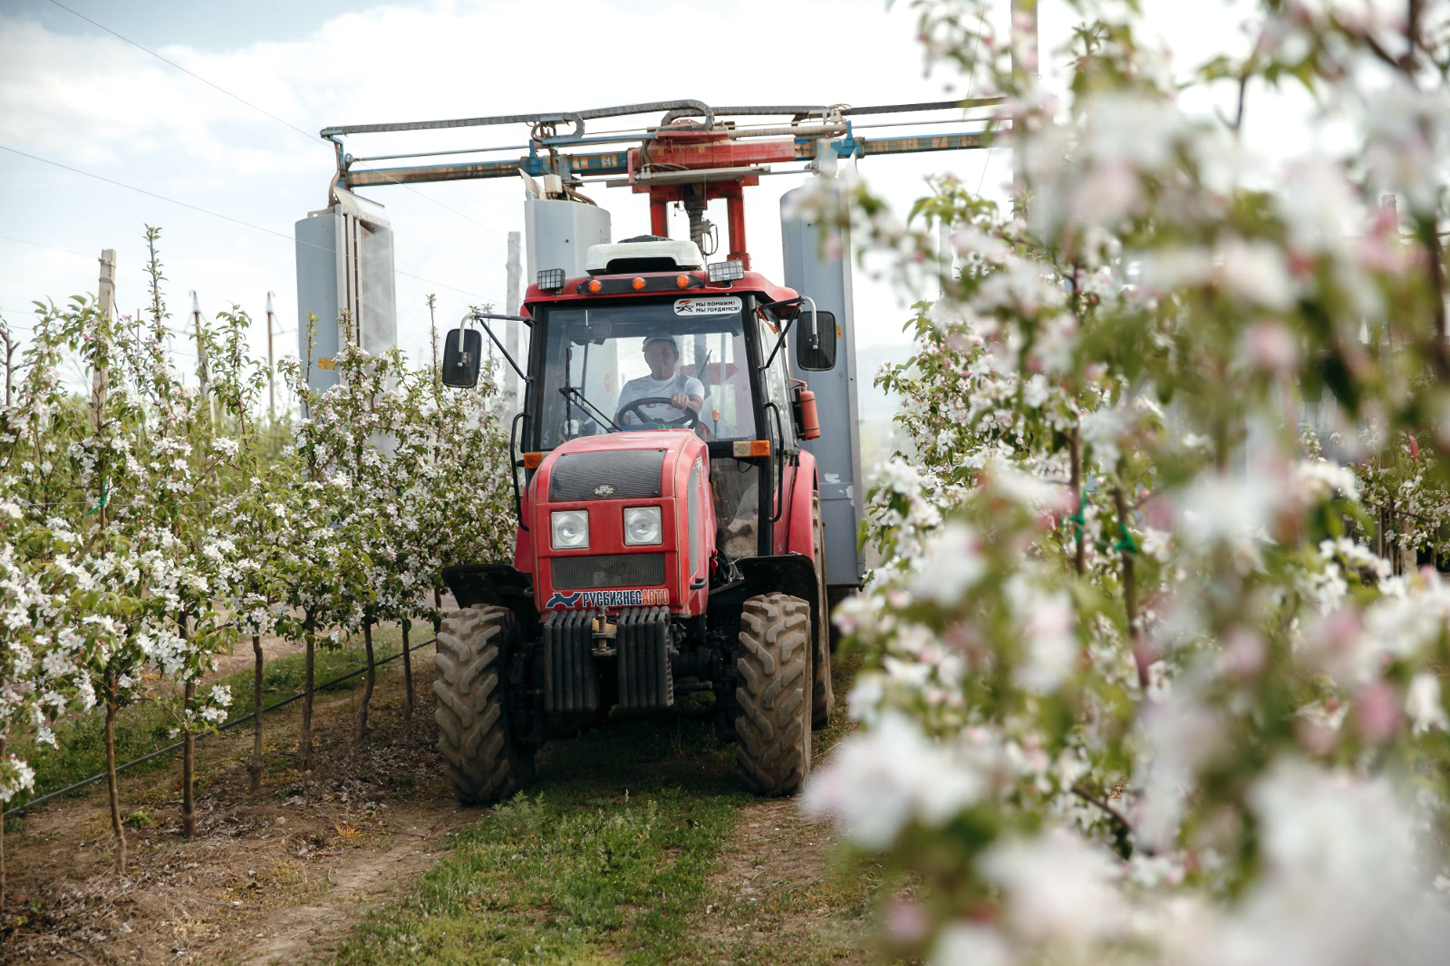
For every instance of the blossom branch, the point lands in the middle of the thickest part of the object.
(1122, 828)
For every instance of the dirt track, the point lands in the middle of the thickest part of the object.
(274, 877)
(266, 874)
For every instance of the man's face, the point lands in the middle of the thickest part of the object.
(660, 356)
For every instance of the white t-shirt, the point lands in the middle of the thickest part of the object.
(647, 386)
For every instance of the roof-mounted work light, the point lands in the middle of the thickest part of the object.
(551, 279)
(728, 271)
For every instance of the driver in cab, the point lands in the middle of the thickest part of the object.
(661, 352)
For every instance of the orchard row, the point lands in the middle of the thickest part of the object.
(146, 526)
(1158, 679)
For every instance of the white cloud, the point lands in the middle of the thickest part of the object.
(88, 100)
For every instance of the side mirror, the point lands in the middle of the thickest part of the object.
(816, 342)
(462, 356)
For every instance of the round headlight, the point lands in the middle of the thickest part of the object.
(642, 526)
(570, 529)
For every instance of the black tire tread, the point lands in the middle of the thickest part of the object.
(478, 754)
(772, 724)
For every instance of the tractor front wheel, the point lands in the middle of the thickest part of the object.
(474, 738)
(773, 694)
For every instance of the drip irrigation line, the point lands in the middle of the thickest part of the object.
(20, 809)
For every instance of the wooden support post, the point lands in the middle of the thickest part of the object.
(511, 307)
(1024, 22)
(107, 297)
(201, 375)
(271, 368)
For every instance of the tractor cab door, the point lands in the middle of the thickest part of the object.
(752, 492)
(779, 428)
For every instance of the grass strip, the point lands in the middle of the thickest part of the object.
(615, 856)
(607, 860)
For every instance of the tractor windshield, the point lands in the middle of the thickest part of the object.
(619, 366)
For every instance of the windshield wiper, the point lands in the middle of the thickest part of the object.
(572, 392)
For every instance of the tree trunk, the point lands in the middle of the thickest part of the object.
(254, 765)
(188, 750)
(360, 728)
(2, 837)
(304, 739)
(188, 766)
(1080, 520)
(1130, 590)
(407, 673)
(111, 781)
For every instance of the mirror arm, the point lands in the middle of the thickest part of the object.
(785, 331)
(482, 319)
(815, 331)
(815, 335)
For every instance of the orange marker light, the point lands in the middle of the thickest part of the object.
(595, 287)
(532, 460)
(744, 448)
(682, 281)
(638, 284)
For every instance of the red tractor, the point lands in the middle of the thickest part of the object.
(670, 537)
(670, 520)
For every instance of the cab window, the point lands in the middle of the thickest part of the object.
(591, 355)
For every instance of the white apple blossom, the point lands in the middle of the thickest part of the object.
(1423, 704)
(877, 783)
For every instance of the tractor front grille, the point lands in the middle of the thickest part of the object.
(571, 682)
(620, 475)
(643, 641)
(609, 570)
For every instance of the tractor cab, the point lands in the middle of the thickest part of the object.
(648, 343)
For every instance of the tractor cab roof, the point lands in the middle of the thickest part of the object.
(650, 265)
(643, 253)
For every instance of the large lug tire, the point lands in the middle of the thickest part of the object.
(474, 737)
(773, 718)
(823, 698)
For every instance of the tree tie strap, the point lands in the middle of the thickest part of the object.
(1127, 544)
(104, 498)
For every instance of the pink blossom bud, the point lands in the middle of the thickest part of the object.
(1377, 712)
(1159, 512)
(1315, 737)
(1301, 263)
(1273, 347)
(906, 921)
(1244, 655)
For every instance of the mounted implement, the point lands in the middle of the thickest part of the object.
(677, 490)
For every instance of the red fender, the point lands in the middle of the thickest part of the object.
(797, 536)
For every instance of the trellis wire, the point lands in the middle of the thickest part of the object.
(20, 809)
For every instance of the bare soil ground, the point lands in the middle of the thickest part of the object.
(776, 850)
(276, 876)
(267, 874)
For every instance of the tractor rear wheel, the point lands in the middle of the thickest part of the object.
(474, 737)
(823, 698)
(773, 694)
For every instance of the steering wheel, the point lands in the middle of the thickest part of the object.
(689, 420)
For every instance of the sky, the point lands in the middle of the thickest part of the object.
(100, 137)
